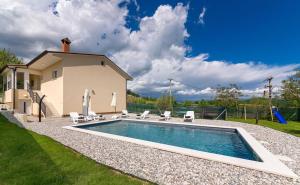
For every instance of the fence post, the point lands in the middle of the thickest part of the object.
(245, 112)
(256, 116)
(298, 114)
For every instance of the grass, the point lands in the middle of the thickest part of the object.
(292, 127)
(28, 158)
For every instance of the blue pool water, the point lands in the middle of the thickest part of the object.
(214, 140)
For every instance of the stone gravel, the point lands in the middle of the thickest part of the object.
(163, 167)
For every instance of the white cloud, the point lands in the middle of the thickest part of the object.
(197, 75)
(211, 92)
(159, 37)
(33, 26)
(151, 54)
(193, 92)
(201, 16)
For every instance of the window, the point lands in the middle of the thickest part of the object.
(54, 74)
(102, 63)
(4, 83)
(8, 85)
(20, 80)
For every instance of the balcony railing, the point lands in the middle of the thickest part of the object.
(31, 93)
(36, 98)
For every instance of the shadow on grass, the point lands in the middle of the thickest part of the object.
(23, 160)
(292, 131)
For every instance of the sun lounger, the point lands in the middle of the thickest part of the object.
(95, 116)
(124, 114)
(114, 117)
(144, 115)
(165, 116)
(76, 118)
(189, 116)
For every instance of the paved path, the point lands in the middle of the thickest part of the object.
(165, 167)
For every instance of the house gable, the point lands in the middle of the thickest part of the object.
(48, 58)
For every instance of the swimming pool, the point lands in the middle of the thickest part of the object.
(222, 141)
(230, 145)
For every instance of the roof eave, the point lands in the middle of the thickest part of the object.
(37, 58)
(13, 65)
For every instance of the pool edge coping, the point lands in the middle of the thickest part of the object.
(269, 164)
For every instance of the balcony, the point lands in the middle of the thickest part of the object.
(22, 79)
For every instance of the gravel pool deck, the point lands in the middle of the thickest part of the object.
(164, 167)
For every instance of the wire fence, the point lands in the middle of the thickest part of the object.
(213, 112)
(263, 112)
(205, 112)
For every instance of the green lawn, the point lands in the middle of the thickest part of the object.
(292, 127)
(30, 158)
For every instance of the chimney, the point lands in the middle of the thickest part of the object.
(65, 45)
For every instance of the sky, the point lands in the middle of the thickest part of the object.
(200, 44)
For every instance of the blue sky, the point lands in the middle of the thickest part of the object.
(200, 44)
(251, 30)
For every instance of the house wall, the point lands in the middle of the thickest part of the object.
(22, 94)
(53, 88)
(8, 96)
(35, 109)
(86, 72)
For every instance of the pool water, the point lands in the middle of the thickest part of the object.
(223, 141)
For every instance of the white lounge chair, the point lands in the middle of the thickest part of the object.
(76, 118)
(95, 116)
(189, 116)
(115, 117)
(124, 114)
(143, 116)
(165, 116)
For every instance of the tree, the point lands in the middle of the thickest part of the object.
(259, 101)
(6, 57)
(261, 105)
(165, 102)
(291, 89)
(228, 96)
(187, 103)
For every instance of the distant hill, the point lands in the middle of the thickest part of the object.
(129, 92)
(133, 97)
